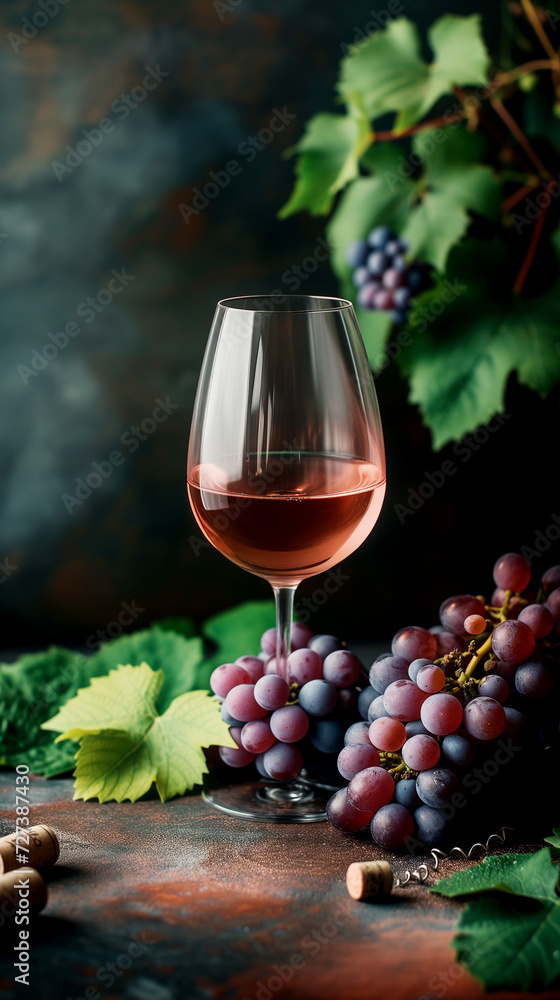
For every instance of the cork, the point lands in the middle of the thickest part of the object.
(38, 845)
(22, 891)
(367, 879)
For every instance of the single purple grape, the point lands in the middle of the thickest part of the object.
(397, 246)
(401, 298)
(360, 276)
(367, 293)
(356, 252)
(377, 262)
(379, 237)
(383, 299)
(392, 278)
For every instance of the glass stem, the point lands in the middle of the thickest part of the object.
(284, 598)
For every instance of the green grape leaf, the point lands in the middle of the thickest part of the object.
(388, 74)
(180, 659)
(126, 745)
(453, 182)
(533, 326)
(554, 842)
(30, 690)
(530, 875)
(47, 759)
(461, 355)
(375, 327)
(329, 152)
(458, 383)
(238, 630)
(507, 947)
(509, 936)
(389, 159)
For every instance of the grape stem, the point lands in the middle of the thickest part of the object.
(487, 644)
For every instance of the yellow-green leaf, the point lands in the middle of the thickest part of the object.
(126, 745)
(124, 699)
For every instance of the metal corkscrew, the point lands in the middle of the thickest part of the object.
(423, 872)
(368, 879)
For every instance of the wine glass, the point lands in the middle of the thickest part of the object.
(286, 463)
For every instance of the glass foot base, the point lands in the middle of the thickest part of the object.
(296, 801)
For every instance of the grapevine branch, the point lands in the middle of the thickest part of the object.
(518, 196)
(503, 79)
(522, 139)
(541, 34)
(446, 119)
(492, 130)
(490, 94)
(529, 257)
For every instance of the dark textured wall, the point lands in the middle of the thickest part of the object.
(113, 114)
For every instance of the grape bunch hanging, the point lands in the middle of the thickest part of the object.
(385, 279)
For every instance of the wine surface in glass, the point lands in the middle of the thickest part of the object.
(286, 516)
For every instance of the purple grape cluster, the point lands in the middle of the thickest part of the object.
(441, 699)
(385, 279)
(284, 726)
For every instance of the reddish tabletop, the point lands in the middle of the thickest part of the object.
(152, 901)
